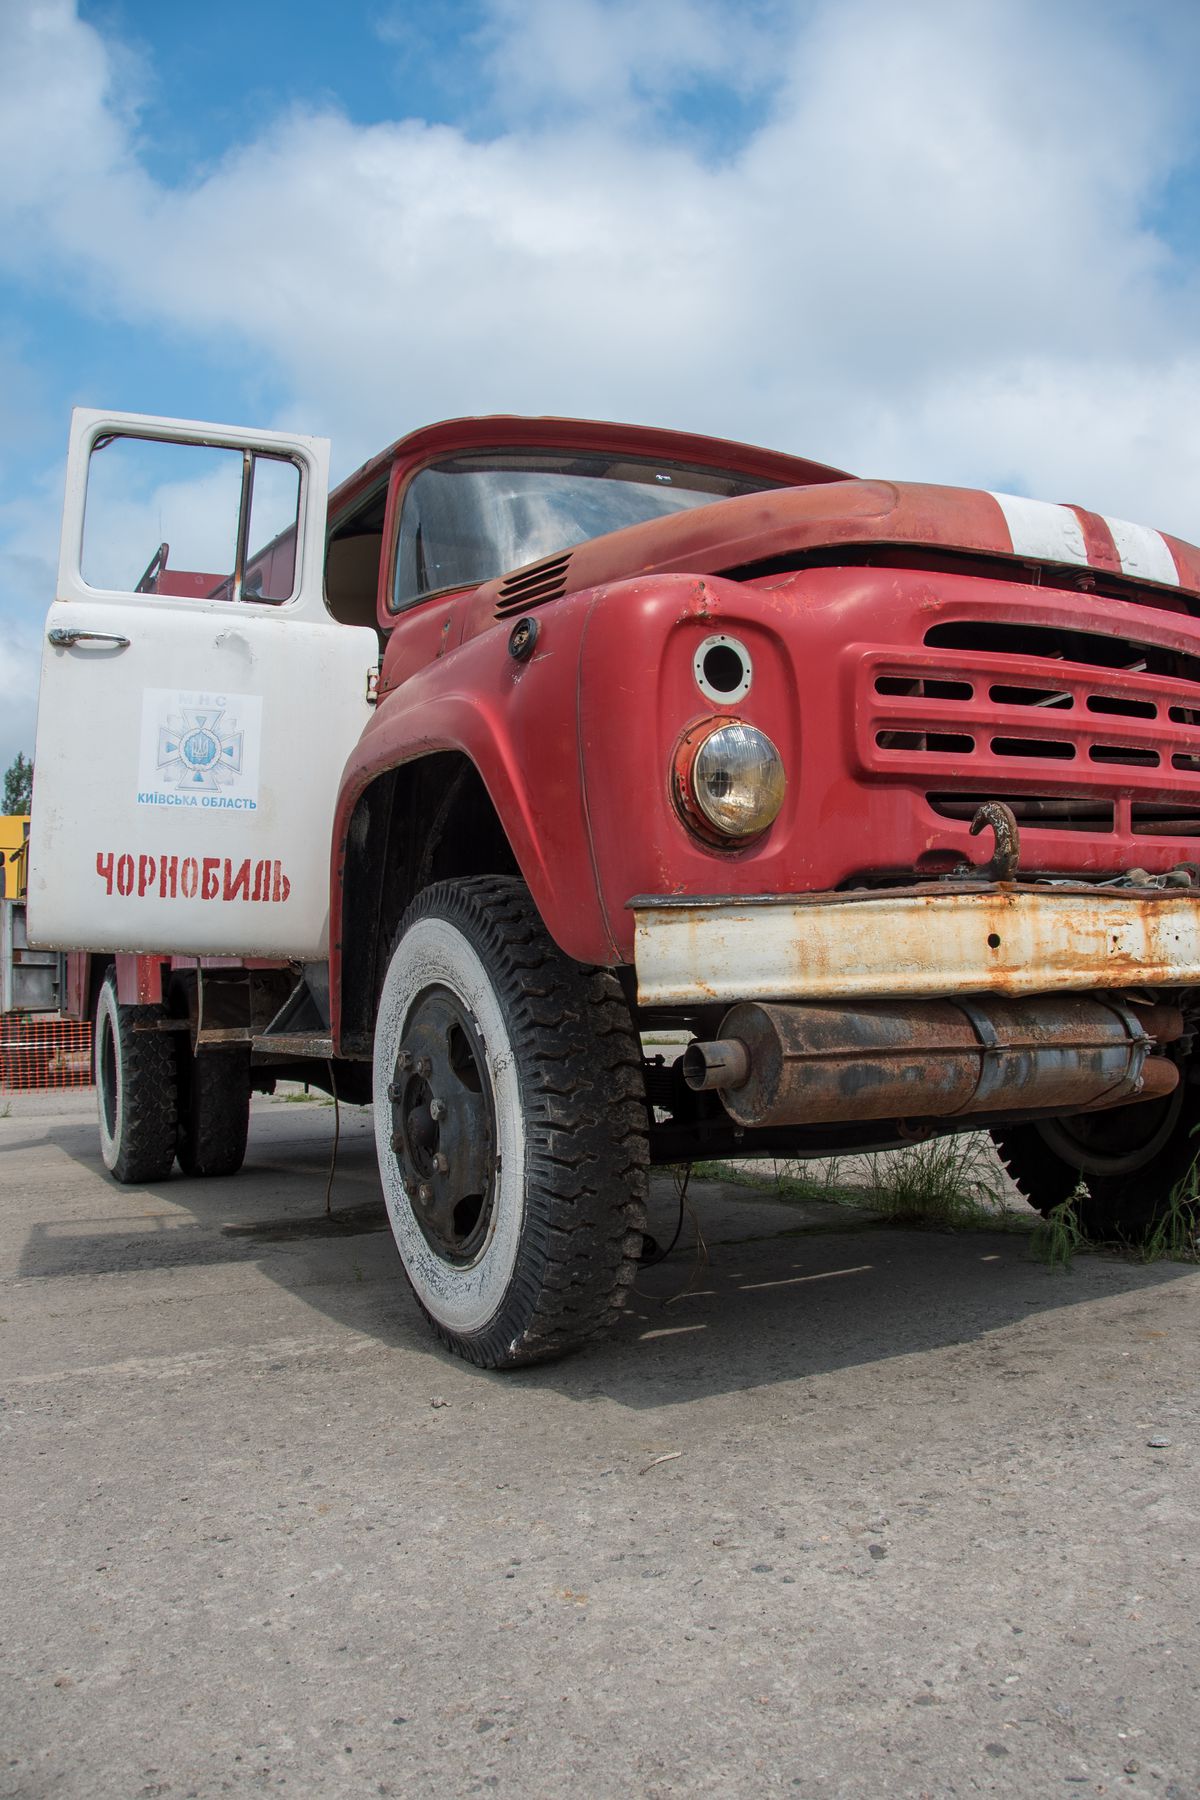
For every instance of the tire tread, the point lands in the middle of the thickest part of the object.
(214, 1112)
(146, 1125)
(587, 1147)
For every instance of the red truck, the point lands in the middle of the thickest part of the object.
(552, 736)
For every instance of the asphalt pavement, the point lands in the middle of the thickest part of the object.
(840, 1509)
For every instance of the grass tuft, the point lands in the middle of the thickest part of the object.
(950, 1183)
(1058, 1236)
(958, 1184)
(1176, 1235)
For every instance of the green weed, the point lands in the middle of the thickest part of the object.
(1172, 1238)
(951, 1183)
(1176, 1234)
(1058, 1236)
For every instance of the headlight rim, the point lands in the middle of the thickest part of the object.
(684, 789)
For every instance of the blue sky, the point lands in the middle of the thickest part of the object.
(953, 242)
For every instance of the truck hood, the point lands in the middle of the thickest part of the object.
(784, 526)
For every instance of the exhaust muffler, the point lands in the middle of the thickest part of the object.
(821, 1063)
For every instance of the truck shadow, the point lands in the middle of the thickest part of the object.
(767, 1293)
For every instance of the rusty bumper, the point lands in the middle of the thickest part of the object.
(918, 942)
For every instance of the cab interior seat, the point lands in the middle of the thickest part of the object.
(352, 578)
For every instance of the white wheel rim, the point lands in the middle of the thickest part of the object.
(106, 1024)
(461, 1298)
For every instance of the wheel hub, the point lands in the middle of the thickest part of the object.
(443, 1135)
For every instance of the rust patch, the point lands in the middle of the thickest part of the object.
(916, 942)
(823, 1064)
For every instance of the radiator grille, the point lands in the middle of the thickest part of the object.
(1075, 730)
(1054, 643)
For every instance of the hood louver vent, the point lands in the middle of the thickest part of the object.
(533, 586)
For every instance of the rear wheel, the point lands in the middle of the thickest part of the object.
(1130, 1164)
(510, 1126)
(135, 1088)
(214, 1110)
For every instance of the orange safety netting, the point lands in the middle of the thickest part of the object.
(40, 1052)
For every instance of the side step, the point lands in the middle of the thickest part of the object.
(301, 1026)
(290, 1045)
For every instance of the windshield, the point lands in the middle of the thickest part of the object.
(472, 518)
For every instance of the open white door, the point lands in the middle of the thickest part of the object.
(197, 701)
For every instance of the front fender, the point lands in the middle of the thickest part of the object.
(516, 722)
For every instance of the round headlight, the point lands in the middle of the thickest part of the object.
(738, 780)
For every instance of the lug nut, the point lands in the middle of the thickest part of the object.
(424, 1193)
(441, 1163)
(424, 1066)
(404, 1060)
(437, 1108)
(397, 1141)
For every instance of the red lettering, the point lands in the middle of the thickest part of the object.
(237, 884)
(209, 877)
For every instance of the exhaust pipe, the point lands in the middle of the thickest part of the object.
(818, 1064)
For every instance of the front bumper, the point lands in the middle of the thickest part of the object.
(918, 942)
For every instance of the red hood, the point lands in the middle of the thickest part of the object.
(791, 522)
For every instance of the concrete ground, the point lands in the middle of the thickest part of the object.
(839, 1510)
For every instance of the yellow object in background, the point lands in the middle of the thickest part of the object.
(14, 855)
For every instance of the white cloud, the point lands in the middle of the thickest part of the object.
(930, 256)
(605, 59)
(29, 532)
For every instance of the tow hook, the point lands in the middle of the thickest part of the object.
(1003, 821)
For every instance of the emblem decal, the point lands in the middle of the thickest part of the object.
(200, 755)
(199, 749)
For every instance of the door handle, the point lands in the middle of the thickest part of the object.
(63, 637)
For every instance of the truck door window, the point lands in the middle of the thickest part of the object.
(195, 521)
(271, 537)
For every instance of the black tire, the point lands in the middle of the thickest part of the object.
(518, 1207)
(135, 1088)
(1128, 1163)
(214, 1110)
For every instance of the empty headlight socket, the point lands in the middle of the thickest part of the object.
(723, 669)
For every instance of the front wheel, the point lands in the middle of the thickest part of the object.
(510, 1126)
(135, 1088)
(1125, 1167)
